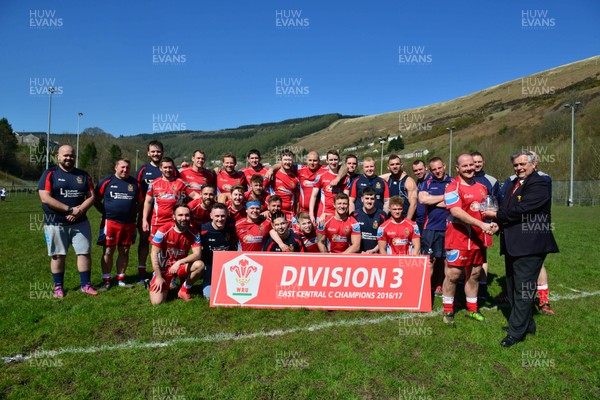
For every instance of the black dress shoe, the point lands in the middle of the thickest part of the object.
(528, 331)
(509, 341)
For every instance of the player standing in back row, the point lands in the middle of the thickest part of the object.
(119, 198)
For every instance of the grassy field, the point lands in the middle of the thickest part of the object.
(117, 346)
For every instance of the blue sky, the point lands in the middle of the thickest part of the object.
(138, 67)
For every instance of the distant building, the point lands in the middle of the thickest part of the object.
(29, 140)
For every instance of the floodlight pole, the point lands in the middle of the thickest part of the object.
(51, 91)
(382, 141)
(450, 158)
(572, 107)
(79, 115)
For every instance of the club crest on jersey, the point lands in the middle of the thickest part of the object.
(375, 224)
(519, 198)
(130, 188)
(346, 230)
(378, 185)
(474, 206)
(406, 231)
(79, 180)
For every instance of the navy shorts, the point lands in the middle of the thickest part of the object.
(432, 243)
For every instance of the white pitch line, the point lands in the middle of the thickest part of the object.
(222, 337)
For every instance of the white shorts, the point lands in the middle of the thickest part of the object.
(60, 237)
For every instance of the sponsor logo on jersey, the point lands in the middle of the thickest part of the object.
(451, 198)
(399, 242)
(452, 255)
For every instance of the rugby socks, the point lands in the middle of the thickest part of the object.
(58, 279)
(106, 278)
(448, 303)
(544, 293)
(472, 304)
(185, 287)
(121, 277)
(142, 272)
(85, 278)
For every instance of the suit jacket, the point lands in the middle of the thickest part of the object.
(524, 218)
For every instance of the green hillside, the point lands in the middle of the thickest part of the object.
(524, 113)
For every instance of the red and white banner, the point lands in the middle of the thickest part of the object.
(320, 281)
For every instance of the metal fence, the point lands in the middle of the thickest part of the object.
(585, 193)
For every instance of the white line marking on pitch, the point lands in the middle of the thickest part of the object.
(222, 337)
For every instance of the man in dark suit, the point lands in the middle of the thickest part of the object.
(525, 240)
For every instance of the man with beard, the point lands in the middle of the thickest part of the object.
(421, 176)
(347, 172)
(466, 235)
(236, 206)
(67, 193)
(493, 188)
(144, 175)
(257, 191)
(436, 215)
(324, 190)
(171, 256)
(119, 198)
(215, 235)
(286, 185)
(402, 185)
(162, 195)
(201, 206)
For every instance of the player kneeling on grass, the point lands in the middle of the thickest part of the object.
(281, 226)
(397, 234)
(170, 247)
